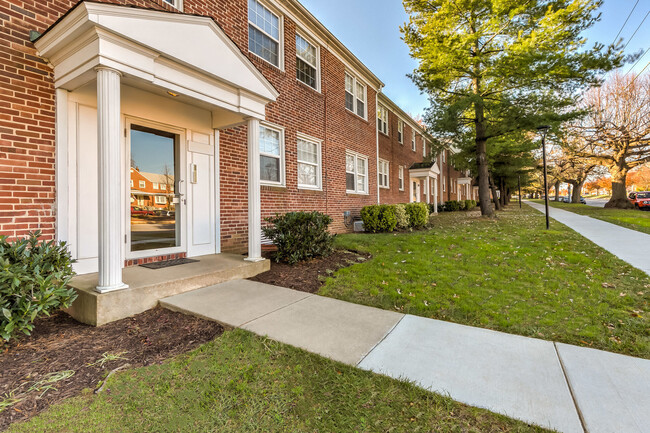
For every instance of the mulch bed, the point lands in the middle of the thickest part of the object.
(308, 276)
(60, 343)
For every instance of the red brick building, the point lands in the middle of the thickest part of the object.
(252, 107)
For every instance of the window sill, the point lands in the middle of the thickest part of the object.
(271, 186)
(308, 87)
(384, 134)
(356, 193)
(365, 119)
(309, 188)
(384, 187)
(266, 61)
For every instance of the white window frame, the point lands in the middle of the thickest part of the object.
(444, 156)
(444, 184)
(380, 173)
(132, 183)
(357, 156)
(178, 4)
(160, 199)
(424, 147)
(317, 65)
(319, 167)
(140, 184)
(155, 185)
(279, 129)
(400, 131)
(382, 116)
(356, 99)
(280, 42)
(401, 178)
(414, 145)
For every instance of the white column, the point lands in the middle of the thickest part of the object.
(435, 192)
(109, 179)
(426, 188)
(62, 173)
(254, 195)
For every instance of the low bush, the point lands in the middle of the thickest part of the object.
(433, 208)
(34, 279)
(418, 214)
(402, 216)
(379, 218)
(469, 204)
(452, 206)
(299, 236)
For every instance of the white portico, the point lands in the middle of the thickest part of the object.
(427, 173)
(127, 80)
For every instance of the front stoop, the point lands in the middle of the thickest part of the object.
(148, 286)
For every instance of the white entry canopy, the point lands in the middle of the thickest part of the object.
(424, 169)
(186, 55)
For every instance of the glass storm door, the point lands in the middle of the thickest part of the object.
(154, 174)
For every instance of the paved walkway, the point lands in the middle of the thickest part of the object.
(566, 388)
(628, 245)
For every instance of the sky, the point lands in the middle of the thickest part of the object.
(370, 29)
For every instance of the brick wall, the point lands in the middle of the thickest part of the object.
(27, 171)
(400, 154)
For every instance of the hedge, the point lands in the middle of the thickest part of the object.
(299, 236)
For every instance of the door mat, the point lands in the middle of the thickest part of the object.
(168, 263)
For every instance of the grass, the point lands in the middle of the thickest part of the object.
(507, 274)
(242, 383)
(629, 218)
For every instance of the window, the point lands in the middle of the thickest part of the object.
(306, 62)
(355, 96)
(401, 178)
(444, 157)
(131, 183)
(160, 199)
(413, 140)
(400, 131)
(356, 173)
(382, 119)
(424, 147)
(155, 185)
(142, 184)
(383, 174)
(309, 163)
(271, 155)
(444, 184)
(263, 32)
(178, 4)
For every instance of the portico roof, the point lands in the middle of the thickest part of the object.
(183, 54)
(424, 169)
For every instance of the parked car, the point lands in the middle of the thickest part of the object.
(567, 199)
(135, 210)
(640, 200)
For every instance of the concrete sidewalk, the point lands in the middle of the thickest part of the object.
(628, 245)
(536, 381)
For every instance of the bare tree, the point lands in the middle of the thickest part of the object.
(616, 131)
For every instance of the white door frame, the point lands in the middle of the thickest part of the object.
(127, 121)
(418, 191)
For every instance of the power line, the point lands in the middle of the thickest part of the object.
(638, 60)
(637, 29)
(623, 26)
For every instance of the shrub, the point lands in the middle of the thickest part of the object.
(418, 214)
(34, 281)
(452, 206)
(402, 216)
(469, 204)
(299, 236)
(433, 207)
(379, 218)
(441, 207)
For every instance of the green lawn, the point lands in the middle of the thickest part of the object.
(507, 274)
(630, 218)
(242, 383)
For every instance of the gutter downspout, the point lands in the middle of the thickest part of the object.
(377, 142)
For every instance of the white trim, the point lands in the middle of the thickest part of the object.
(384, 129)
(62, 154)
(316, 66)
(279, 41)
(400, 177)
(380, 174)
(357, 156)
(217, 189)
(414, 144)
(254, 193)
(319, 165)
(282, 183)
(377, 148)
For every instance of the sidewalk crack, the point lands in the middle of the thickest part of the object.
(568, 382)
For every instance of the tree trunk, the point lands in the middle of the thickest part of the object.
(557, 190)
(577, 190)
(619, 198)
(495, 196)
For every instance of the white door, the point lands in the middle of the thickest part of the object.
(201, 196)
(415, 191)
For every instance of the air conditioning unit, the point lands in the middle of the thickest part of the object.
(358, 226)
